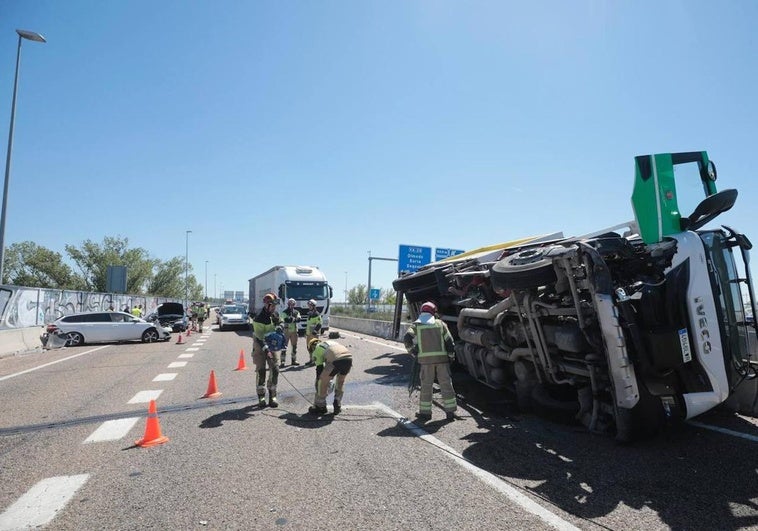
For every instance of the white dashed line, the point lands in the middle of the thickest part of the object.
(192, 349)
(176, 364)
(185, 355)
(41, 503)
(165, 377)
(143, 397)
(112, 430)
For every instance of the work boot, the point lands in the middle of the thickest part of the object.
(281, 365)
(450, 415)
(273, 402)
(294, 363)
(317, 410)
(262, 401)
(423, 417)
(337, 407)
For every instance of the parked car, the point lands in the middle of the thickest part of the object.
(170, 314)
(102, 327)
(232, 316)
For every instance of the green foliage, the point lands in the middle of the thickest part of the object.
(358, 294)
(28, 264)
(93, 260)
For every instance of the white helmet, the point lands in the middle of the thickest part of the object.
(291, 301)
(312, 302)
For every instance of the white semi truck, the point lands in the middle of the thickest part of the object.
(301, 283)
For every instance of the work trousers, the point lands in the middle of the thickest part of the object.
(337, 370)
(291, 338)
(427, 372)
(261, 360)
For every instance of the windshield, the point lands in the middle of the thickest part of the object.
(307, 290)
(739, 339)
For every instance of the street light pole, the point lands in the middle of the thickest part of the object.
(206, 280)
(215, 293)
(186, 269)
(22, 34)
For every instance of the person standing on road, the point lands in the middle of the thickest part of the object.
(201, 314)
(312, 326)
(136, 312)
(429, 340)
(333, 360)
(290, 319)
(266, 321)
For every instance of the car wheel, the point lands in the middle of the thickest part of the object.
(526, 269)
(74, 339)
(150, 335)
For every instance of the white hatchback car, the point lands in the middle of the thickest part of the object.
(232, 316)
(101, 327)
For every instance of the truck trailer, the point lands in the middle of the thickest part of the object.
(301, 283)
(626, 330)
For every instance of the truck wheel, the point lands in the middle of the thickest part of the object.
(546, 403)
(525, 269)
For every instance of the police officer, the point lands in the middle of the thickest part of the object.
(263, 323)
(333, 360)
(429, 340)
(290, 318)
(312, 326)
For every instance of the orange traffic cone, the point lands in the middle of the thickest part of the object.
(189, 332)
(180, 340)
(212, 391)
(152, 429)
(241, 366)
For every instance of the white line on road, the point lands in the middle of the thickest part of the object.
(52, 363)
(41, 503)
(165, 377)
(374, 342)
(490, 479)
(112, 430)
(724, 430)
(143, 397)
(185, 355)
(192, 349)
(176, 364)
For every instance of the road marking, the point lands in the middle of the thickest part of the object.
(41, 503)
(143, 397)
(176, 364)
(112, 430)
(165, 377)
(488, 478)
(724, 430)
(192, 349)
(53, 363)
(185, 355)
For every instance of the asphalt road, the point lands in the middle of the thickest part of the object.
(70, 419)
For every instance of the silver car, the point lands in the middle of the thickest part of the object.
(232, 316)
(102, 327)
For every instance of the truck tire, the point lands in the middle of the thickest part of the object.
(526, 269)
(548, 404)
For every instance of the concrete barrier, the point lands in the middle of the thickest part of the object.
(370, 327)
(17, 340)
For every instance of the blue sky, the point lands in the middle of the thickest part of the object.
(312, 132)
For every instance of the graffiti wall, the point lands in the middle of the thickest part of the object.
(22, 307)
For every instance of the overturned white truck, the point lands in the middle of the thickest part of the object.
(626, 331)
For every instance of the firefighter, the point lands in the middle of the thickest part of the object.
(312, 326)
(429, 340)
(333, 360)
(201, 314)
(290, 319)
(266, 321)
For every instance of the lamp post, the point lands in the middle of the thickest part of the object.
(206, 280)
(186, 269)
(215, 293)
(22, 34)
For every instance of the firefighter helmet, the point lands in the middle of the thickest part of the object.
(312, 344)
(291, 301)
(429, 307)
(269, 298)
(312, 302)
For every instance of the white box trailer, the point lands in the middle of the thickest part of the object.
(301, 283)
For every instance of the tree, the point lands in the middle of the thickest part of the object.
(28, 264)
(388, 296)
(168, 280)
(93, 260)
(358, 294)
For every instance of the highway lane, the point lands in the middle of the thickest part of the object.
(229, 465)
